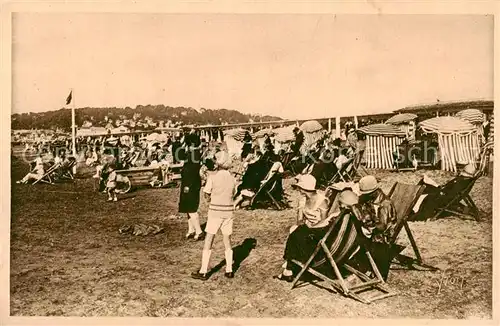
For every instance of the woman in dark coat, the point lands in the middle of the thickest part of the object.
(189, 200)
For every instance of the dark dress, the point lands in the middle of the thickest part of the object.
(190, 177)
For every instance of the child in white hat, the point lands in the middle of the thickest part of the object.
(220, 187)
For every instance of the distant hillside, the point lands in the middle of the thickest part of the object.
(151, 115)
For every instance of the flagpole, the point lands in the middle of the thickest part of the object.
(73, 128)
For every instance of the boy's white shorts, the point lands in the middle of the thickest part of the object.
(222, 221)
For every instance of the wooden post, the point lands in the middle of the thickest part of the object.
(337, 126)
(329, 124)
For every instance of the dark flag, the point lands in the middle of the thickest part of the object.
(68, 99)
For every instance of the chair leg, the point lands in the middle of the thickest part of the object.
(306, 265)
(413, 243)
(335, 268)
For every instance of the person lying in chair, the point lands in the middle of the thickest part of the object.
(313, 223)
(436, 196)
(37, 172)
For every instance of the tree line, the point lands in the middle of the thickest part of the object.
(61, 119)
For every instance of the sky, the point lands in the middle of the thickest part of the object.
(291, 66)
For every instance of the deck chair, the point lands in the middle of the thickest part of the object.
(404, 197)
(49, 176)
(462, 199)
(342, 174)
(357, 169)
(339, 244)
(266, 192)
(66, 170)
(286, 159)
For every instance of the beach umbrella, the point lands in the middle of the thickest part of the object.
(284, 134)
(311, 126)
(401, 118)
(471, 115)
(263, 132)
(382, 129)
(443, 125)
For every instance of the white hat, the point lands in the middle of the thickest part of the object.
(468, 171)
(306, 182)
(368, 184)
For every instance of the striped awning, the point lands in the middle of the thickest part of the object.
(473, 116)
(383, 130)
(263, 132)
(237, 133)
(447, 125)
(284, 134)
(401, 118)
(311, 126)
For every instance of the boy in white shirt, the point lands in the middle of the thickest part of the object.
(220, 187)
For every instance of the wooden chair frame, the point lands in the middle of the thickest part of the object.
(339, 284)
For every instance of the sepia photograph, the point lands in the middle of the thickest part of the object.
(237, 165)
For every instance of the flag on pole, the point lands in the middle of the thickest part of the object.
(68, 99)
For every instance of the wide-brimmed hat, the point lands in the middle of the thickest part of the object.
(368, 184)
(348, 197)
(306, 182)
(468, 171)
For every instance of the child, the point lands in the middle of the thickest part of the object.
(220, 187)
(111, 183)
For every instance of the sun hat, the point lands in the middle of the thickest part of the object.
(468, 171)
(306, 182)
(368, 184)
(348, 197)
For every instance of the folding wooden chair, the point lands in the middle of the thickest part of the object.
(345, 240)
(342, 174)
(357, 169)
(462, 204)
(404, 197)
(48, 177)
(266, 191)
(67, 170)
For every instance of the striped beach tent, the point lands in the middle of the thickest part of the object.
(405, 121)
(234, 140)
(458, 140)
(238, 133)
(382, 141)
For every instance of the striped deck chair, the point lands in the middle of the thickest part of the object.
(404, 197)
(462, 200)
(339, 244)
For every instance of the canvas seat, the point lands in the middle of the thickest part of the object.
(404, 197)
